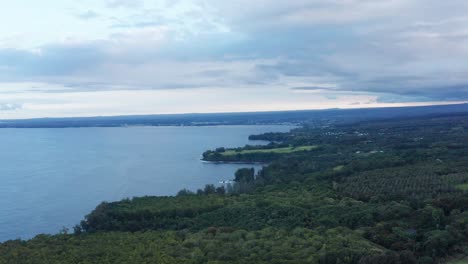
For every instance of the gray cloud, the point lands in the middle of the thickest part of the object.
(377, 47)
(310, 88)
(87, 15)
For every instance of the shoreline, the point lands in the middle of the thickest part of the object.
(292, 126)
(234, 162)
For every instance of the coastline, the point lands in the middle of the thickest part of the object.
(235, 162)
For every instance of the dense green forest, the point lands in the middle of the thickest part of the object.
(388, 191)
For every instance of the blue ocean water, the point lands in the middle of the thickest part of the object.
(51, 178)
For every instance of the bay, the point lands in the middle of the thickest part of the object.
(51, 178)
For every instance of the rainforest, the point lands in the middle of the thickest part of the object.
(384, 191)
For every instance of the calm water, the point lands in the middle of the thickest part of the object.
(51, 178)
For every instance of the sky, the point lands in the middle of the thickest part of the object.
(124, 57)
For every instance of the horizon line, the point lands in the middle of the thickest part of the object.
(243, 112)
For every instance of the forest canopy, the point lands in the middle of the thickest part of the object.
(389, 191)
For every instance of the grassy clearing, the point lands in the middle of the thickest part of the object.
(459, 261)
(285, 150)
(463, 187)
(338, 168)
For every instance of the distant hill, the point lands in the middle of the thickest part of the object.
(246, 118)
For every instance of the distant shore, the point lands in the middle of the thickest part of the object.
(235, 162)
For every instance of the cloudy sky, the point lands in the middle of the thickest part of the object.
(113, 57)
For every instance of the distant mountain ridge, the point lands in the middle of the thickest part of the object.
(243, 118)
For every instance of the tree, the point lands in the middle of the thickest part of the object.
(209, 189)
(245, 175)
(184, 192)
(220, 190)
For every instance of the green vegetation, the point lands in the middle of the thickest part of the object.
(463, 186)
(338, 168)
(213, 245)
(254, 153)
(459, 261)
(378, 192)
(285, 150)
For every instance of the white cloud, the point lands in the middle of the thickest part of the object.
(9, 107)
(412, 49)
(124, 3)
(131, 102)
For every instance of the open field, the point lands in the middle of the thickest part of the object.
(459, 261)
(273, 150)
(463, 187)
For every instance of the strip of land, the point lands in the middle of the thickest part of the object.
(285, 150)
